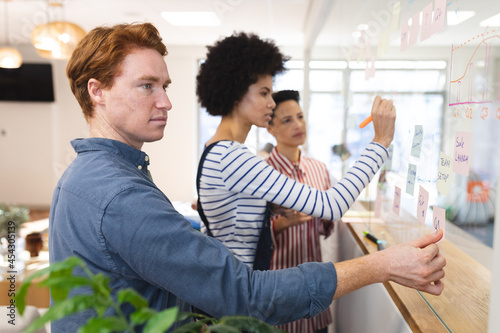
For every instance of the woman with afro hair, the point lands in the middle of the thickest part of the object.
(234, 185)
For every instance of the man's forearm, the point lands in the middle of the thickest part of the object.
(357, 273)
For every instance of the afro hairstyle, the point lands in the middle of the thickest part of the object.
(231, 66)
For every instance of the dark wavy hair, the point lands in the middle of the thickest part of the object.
(231, 66)
(283, 96)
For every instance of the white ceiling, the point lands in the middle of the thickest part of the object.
(289, 22)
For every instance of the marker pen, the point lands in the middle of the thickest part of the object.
(374, 239)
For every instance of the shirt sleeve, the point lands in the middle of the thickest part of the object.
(243, 172)
(141, 227)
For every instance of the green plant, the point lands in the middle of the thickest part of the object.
(16, 214)
(60, 279)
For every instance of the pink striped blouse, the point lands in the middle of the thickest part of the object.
(299, 244)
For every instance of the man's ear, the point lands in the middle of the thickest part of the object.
(95, 91)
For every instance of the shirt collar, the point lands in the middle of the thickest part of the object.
(285, 165)
(135, 156)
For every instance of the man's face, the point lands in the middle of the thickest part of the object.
(135, 107)
(289, 125)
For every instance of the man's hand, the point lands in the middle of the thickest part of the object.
(416, 264)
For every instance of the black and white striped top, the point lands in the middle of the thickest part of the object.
(235, 186)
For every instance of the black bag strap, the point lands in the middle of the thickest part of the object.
(198, 178)
(264, 251)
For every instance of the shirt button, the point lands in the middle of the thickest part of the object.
(147, 158)
(139, 167)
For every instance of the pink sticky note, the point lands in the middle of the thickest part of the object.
(370, 69)
(461, 153)
(368, 49)
(438, 17)
(426, 30)
(423, 200)
(397, 200)
(415, 27)
(438, 219)
(404, 35)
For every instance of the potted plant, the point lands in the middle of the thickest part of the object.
(59, 278)
(13, 217)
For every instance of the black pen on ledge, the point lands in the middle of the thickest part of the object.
(374, 239)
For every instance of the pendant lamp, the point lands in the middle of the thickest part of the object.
(9, 56)
(56, 40)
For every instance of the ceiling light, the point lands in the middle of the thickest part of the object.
(9, 56)
(493, 21)
(457, 17)
(192, 19)
(56, 40)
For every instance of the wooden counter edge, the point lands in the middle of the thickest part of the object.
(418, 315)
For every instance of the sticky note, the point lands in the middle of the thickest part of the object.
(383, 42)
(461, 153)
(396, 10)
(426, 30)
(439, 219)
(438, 17)
(370, 69)
(416, 145)
(423, 200)
(368, 49)
(397, 200)
(405, 31)
(410, 180)
(415, 27)
(444, 172)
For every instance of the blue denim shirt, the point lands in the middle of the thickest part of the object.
(107, 211)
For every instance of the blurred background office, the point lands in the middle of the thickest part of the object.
(442, 73)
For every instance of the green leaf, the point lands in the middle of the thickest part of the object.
(141, 316)
(192, 327)
(161, 321)
(102, 303)
(67, 282)
(101, 285)
(62, 269)
(62, 309)
(185, 315)
(131, 296)
(104, 325)
(20, 297)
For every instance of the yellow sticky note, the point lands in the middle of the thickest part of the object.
(396, 11)
(444, 173)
